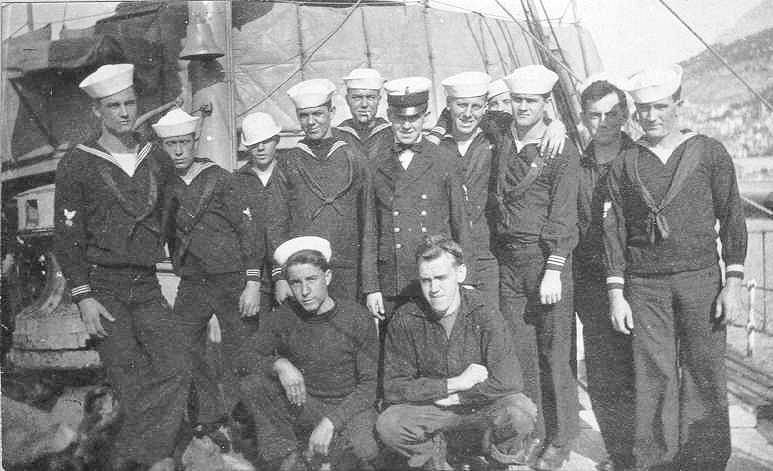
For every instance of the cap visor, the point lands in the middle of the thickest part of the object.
(408, 111)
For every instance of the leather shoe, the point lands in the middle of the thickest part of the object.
(552, 458)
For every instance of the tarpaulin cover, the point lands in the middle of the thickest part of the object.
(398, 40)
(47, 73)
(269, 42)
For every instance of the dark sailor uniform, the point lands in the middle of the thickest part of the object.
(426, 199)
(108, 240)
(268, 205)
(337, 353)
(328, 190)
(535, 229)
(660, 240)
(371, 141)
(216, 248)
(608, 356)
(475, 172)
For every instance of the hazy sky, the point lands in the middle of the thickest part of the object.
(628, 33)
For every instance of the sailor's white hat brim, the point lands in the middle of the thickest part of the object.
(296, 244)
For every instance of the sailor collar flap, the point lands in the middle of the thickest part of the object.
(141, 155)
(198, 167)
(328, 197)
(691, 158)
(276, 174)
(137, 213)
(336, 145)
(375, 130)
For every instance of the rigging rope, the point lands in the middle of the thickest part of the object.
(356, 5)
(553, 32)
(718, 56)
(539, 44)
(306, 60)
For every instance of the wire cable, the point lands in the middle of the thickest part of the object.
(718, 56)
(540, 45)
(305, 61)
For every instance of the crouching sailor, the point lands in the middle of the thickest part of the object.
(312, 369)
(450, 365)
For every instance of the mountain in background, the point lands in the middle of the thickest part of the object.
(753, 21)
(718, 104)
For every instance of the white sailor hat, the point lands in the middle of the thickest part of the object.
(408, 96)
(497, 87)
(466, 85)
(531, 80)
(311, 93)
(655, 83)
(257, 127)
(296, 244)
(367, 79)
(108, 80)
(176, 123)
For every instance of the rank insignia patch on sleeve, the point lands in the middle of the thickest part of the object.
(69, 216)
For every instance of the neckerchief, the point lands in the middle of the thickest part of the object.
(322, 149)
(206, 197)
(199, 165)
(138, 214)
(317, 189)
(502, 197)
(657, 225)
(348, 127)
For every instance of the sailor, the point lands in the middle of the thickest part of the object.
(466, 105)
(311, 368)
(499, 97)
(217, 252)
(451, 366)
(364, 130)
(664, 280)
(608, 356)
(328, 186)
(265, 191)
(416, 191)
(108, 238)
(535, 230)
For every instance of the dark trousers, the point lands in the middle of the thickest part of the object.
(609, 367)
(681, 383)
(198, 298)
(283, 428)
(408, 428)
(543, 338)
(487, 277)
(144, 362)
